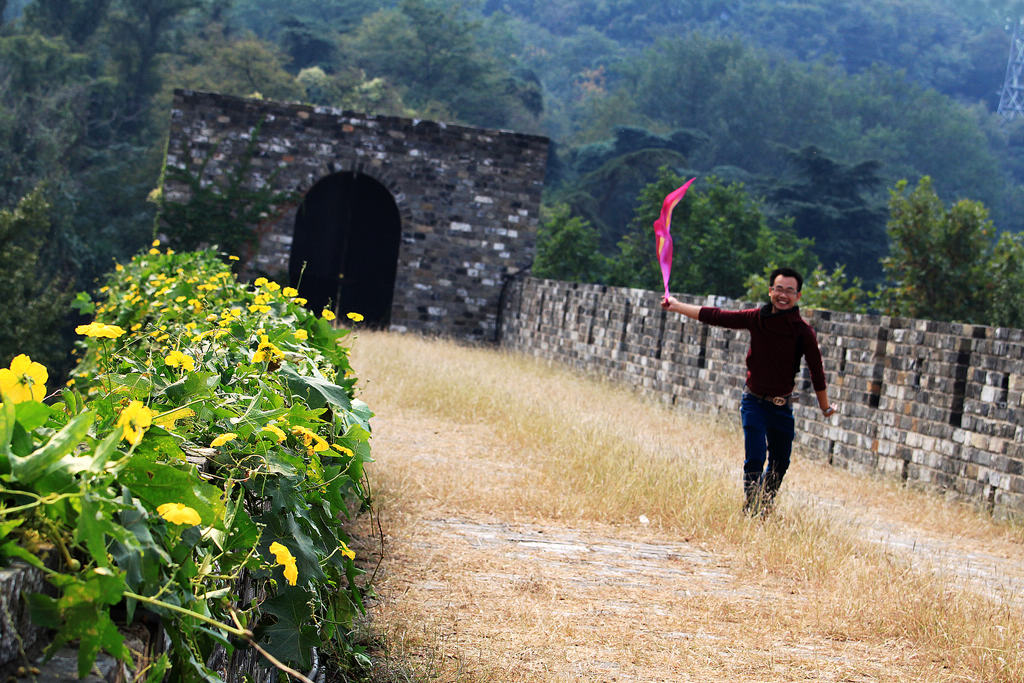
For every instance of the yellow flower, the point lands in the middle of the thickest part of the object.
(327, 314)
(273, 286)
(310, 439)
(95, 329)
(355, 317)
(25, 380)
(136, 419)
(342, 450)
(154, 252)
(284, 557)
(278, 433)
(260, 281)
(267, 351)
(302, 301)
(179, 513)
(290, 292)
(156, 243)
(301, 335)
(291, 574)
(232, 258)
(223, 439)
(347, 552)
(167, 420)
(177, 359)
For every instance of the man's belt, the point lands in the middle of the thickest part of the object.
(774, 400)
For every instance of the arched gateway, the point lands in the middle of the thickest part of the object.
(345, 249)
(414, 224)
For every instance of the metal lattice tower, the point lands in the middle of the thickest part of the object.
(1011, 99)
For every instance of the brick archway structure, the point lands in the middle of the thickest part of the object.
(464, 202)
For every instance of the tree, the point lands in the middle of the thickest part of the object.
(36, 303)
(720, 237)
(1006, 305)
(74, 20)
(349, 88)
(44, 99)
(239, 65)
(827, 203)
(937, 265)
(567, 248)
(429, 47)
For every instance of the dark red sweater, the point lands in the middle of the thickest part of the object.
(777, 341)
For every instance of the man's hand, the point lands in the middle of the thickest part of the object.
(670, 303)
(830, 410)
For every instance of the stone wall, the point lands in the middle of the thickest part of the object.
(468, 198)
(940, 405)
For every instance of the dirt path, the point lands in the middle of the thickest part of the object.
(990, 567)
(473, 590)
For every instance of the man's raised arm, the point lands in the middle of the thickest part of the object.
(670, 303)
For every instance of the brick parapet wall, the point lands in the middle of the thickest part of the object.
(940, 405)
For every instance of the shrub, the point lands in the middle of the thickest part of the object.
(210, 437)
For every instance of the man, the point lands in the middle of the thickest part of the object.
(779, 337)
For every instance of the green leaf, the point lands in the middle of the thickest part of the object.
(138, 554)
(104, 448)
(95, 522)
(44, 610)
(7, 420)
(139, 386)
(158, 669)
(12, 549)
(191, 386)
(29, 468)
(158, 483)
(292, 637)
(83, 303)
(317, 392)
(32, 414)
(100, 634)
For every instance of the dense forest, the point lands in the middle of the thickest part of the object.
(800, 120)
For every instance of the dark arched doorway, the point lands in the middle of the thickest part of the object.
(345, 247)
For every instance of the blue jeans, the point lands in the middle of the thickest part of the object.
(768, 432)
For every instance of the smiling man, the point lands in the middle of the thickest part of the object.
(779, 338)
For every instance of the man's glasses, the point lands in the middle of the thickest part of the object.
(783, 290)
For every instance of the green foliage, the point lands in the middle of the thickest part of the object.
(430, 48)
(606, 197)
(349, 88)
(567, 248)
(720, 237)
(43, 89)
(1006, 269)
(185, 364)
(31, 320)
(222, 213)
(938, 257)
(827, 203)
(215, 60)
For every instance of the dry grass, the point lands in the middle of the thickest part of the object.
(512, 491)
